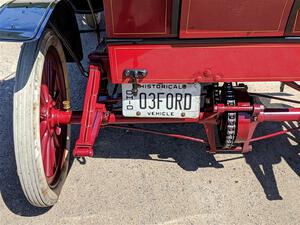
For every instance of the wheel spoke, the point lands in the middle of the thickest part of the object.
(43, 112)
(45, 97)
(45, 152)
(52, 82)
(56, 95)
(48, 70)
(56, 141)
(53, 156)
(43, 128)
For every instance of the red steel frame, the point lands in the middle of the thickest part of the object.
(206, 63)
(95, 115)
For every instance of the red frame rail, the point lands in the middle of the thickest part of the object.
(207, 63)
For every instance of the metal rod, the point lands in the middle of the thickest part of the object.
(277, 98)
(178, 136)
(278, 115)
(293, 85)
(126, 120)
(221, 108)
(274, 134)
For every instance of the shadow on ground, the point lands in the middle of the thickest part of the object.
(192, 156)
(264, 156)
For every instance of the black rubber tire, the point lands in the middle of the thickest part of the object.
(26, 116)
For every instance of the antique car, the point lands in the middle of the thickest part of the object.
(158, 61)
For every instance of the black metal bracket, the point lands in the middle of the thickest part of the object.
(135, 75)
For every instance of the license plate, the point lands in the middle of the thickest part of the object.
(162, 101)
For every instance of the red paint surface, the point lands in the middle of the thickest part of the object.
(203, 63)
(234, 18)
(136, 18)
(296, 26)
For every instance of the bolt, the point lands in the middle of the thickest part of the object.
(183, 114)
(138, 113)
(184, 86)
(207, 73)
(66, 105)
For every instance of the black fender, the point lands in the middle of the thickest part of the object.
(82, 6)
(22, 21)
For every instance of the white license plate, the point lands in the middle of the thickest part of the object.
(162, 101)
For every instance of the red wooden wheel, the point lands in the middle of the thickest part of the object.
(53, 137)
